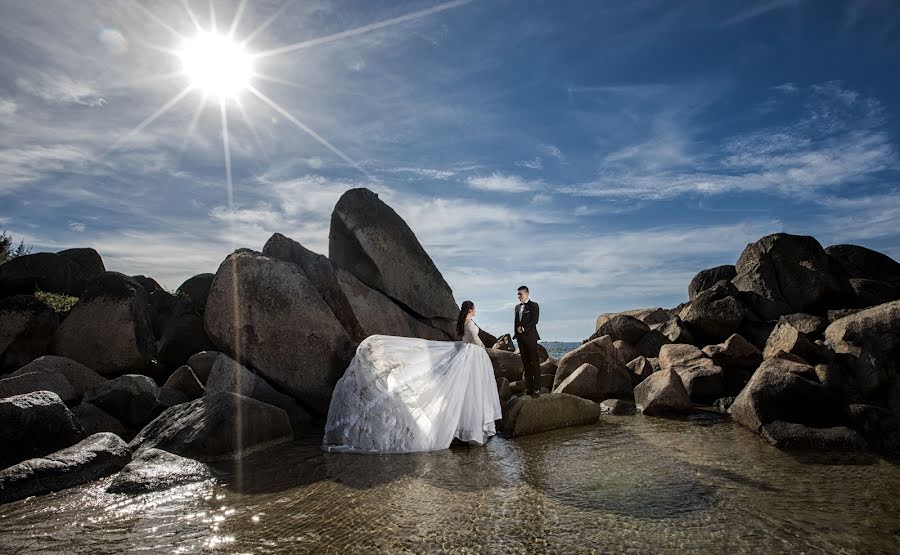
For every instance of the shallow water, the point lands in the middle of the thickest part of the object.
(630, 484)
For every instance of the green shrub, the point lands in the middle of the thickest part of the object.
(62, 304)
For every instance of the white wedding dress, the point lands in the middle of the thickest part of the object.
(403, 395)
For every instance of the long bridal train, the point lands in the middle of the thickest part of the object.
(403, 395)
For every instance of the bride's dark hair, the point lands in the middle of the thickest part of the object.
(463, 312)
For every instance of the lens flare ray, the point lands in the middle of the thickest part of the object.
(309, 131)
(364, 29)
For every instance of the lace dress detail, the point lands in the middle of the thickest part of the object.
(402, 395)
(470, 333)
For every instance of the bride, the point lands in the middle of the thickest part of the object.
(402, 394)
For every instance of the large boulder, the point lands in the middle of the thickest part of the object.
(184, 380)
(528, 415)
(762, 307)
(266, 314)
(377, 314)
(794, 269)
(590, 382)
(156, 470)
(738, 359)
(506, 364)
(197, 289)
(39, 381)
(870, 292)
(94, 419)
(78, 375)
(622, 327)
(714, 314)
(675, 330)
(651, 343)
(781, 390)
(794, 436)
(785, 337)
(809, 324)
(662, 393)
(130, 398)
(94, 457)
(504, 343)
(756, 332)
(626, 351)
(160, 303)
(600, 353)
(321, 273)
(66, 272)
(372, 242)
(869, 340)
(702, 378)
(27, 326)
(109, 329)
(34, 424)
(220, 426)
(201, 363)
(860, 262)
(650, 316)
(640, 368)
(865, 325)
(709, 277)
(228, 375)
(183, 334)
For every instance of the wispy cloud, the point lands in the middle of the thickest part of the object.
(77, 227)
(535, 164)
(57, 88)
(500, 182)
(552, 151)
(840, 140)
(758, 9)
(28, 163)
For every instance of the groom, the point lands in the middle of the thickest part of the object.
(526, 335)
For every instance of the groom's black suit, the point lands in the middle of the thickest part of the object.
(528, 343)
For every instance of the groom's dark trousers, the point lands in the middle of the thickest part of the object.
(527, 341)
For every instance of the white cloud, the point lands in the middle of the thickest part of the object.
(429, 173)
(28, 163)
(550, 150)
(77, 227)
(786, 88)
(7, 107)
(757, 9)
(535, 164)
(57, 88)
(500, 182)
(840, 140)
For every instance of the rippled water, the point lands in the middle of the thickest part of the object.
(629, 484)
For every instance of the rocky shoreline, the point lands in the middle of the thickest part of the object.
(797, 343)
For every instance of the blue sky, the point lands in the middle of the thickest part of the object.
(600, 152)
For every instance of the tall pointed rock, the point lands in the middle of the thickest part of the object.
(373, 243)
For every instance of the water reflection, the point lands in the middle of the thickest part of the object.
(630, 483)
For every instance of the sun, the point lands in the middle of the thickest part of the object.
(216, 64)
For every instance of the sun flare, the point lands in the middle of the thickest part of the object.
(216, 64)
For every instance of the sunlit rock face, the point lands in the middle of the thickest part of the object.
(793, 269)
(266, 314)
(94, 457)
(109, 330)
(370, 240)
(218, 426)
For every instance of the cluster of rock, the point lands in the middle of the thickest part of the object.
(798, 343)
(233, 362)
